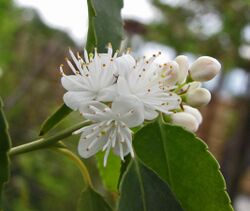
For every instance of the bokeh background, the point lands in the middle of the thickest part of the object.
(34, 38)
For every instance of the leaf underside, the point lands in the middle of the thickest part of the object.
(184, 162)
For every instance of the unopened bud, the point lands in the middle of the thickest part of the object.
(183, 63)
(198, 97)
(191, 86)
(186, 120)
(204, 68)
(193, 111)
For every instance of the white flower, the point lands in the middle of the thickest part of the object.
(144, 80)
(93, 78)
(110, 128)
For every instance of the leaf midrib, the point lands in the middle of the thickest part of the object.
(163, 137)
(137, 169)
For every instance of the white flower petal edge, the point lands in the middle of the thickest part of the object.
(93, 78)
(110, 128)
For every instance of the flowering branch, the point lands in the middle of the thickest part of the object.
(46, 142)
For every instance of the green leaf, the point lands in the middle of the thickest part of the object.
(110, 173)
(55, 118)
(90, 200)
(105, 24)
(184, 162)
(5, 144)
(143, 190)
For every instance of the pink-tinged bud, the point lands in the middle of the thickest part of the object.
(194, 111)
(186, 120)
(183, 63)
(204, 68)
(198, 97)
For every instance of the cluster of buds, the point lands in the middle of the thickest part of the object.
(189, 88)
(118, 93)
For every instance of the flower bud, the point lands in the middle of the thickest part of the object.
(193, 111)
(204, 68)
(183, 63)
(186, 120)
(191, 86)
(198, 97)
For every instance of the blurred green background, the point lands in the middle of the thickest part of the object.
(31, 52)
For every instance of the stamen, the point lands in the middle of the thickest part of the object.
(86, 57)
(61, 70)
(128, 50)
(109, 45)
(92, 144)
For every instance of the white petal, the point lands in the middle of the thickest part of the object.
(150, 113)
(183, 67)
(122, 86)
(129, 110)
(107, 94)
(74, 100)
(125, 64)
(96, 144)
(74, 83)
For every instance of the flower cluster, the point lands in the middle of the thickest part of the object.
(118, 93)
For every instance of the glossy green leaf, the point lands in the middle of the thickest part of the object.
(184, 162)
(143, 190)
(90, 200)
(109, 174)
(5, 144)
(55, 118)
(105, 24)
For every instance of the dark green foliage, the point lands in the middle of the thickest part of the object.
(105, 24)
(90, 200)
(5, 144)
(55, 118)
(142, 190)
(182, 160)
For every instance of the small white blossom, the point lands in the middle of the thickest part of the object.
(145, 81)
(118, 93)
(93, 78)
(110, 128)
